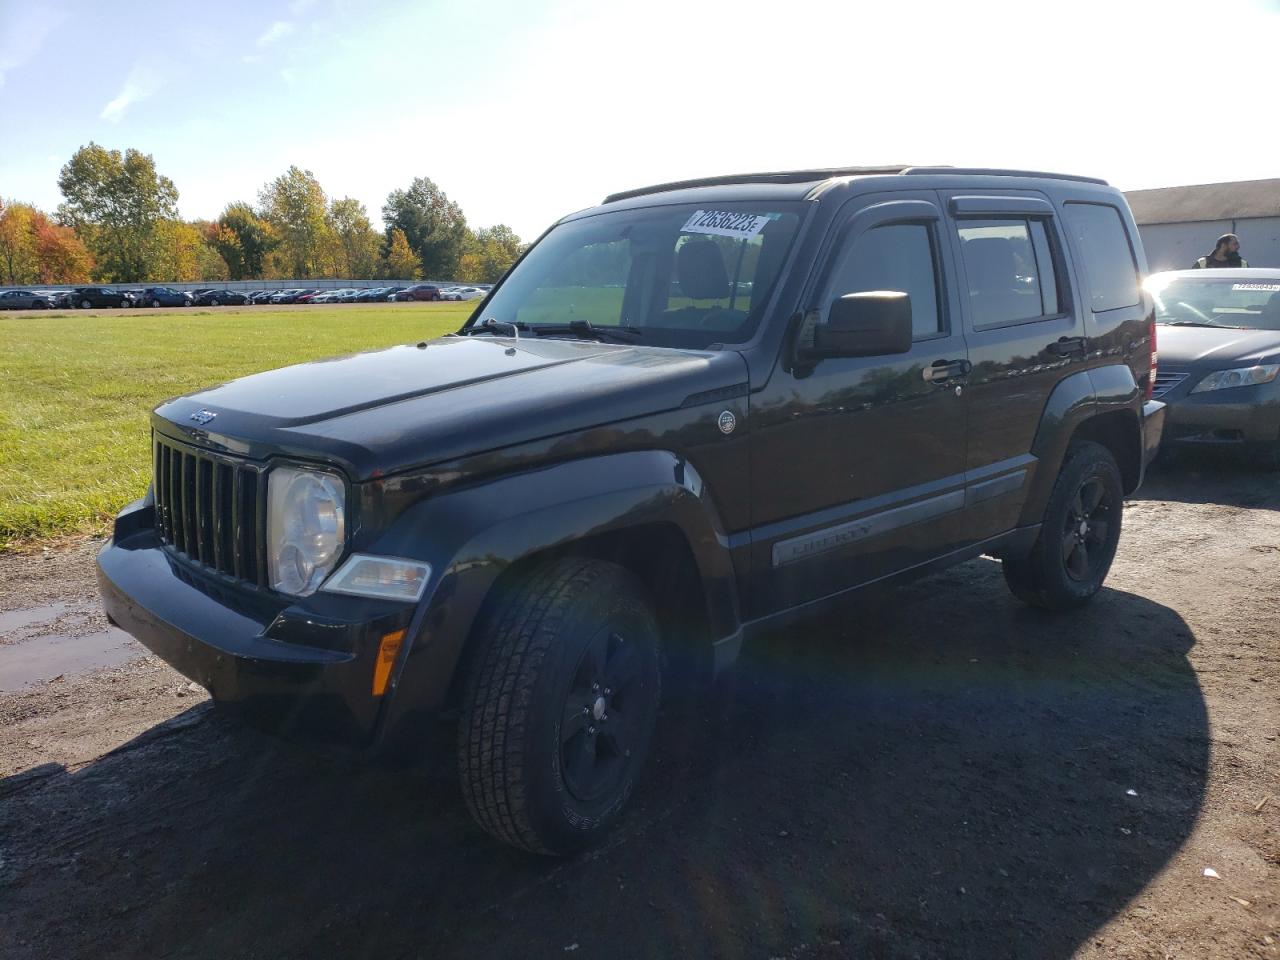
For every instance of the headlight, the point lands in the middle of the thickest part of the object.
(1239, 377)
(306, 528)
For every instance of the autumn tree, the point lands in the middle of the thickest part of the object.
(433, 225)
(19, 256)
(488, 254)
(183, 254)
(357, 241)
(296, 207)
(244, 241)
(399, 262)
(115, 202)
(63, 256)
(35, 250)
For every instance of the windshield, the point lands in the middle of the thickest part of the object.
(1217, 301)
(684, 275)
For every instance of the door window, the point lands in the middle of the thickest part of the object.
(898, 256)
(1010, 272)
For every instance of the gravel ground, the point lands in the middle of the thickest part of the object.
(936, 772)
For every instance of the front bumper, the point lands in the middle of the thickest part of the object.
(1242, 417)
(301, 668)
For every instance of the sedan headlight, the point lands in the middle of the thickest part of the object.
(1239, 377)
(306, 528)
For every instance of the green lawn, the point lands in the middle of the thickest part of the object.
(76, 391)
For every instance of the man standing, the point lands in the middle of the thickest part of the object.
(1226, 253)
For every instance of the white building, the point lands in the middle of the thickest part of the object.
(1180, 224)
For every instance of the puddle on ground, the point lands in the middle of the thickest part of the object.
(17, 619)
(43, 658)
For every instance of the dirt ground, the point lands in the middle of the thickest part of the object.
(936, 772)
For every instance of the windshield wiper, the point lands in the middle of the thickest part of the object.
(1195, 323)
(589, 331)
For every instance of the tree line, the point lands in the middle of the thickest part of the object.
(119, 223)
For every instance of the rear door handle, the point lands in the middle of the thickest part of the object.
(1066, 346)
(943, 370)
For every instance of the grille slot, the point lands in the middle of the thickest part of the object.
(1166, 380)
(210, 509)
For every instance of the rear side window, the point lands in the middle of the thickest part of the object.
(897, 256)
(1010, 271)
(1110, 269)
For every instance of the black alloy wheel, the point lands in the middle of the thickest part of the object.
(597, 728)
(1086, 529)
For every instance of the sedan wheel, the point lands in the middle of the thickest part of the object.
(85, 304)
(125, 304)
(155, 303)
(213, 302)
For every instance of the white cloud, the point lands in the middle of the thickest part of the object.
(23, 31)
(251, 58)
(141, 83)
(277, 31)
(288, 76)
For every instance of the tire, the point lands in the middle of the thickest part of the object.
(213, 302)
(85, 304)
(560, 705)
(155, 304)
(1077, 541)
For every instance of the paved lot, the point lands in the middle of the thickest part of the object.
(937, 772)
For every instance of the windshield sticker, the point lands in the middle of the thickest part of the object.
(718, 223)
(1264, 287)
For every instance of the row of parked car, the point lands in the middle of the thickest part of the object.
(98, 297)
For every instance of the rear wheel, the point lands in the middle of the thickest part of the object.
(85, 304)
(560, 706)
(155, 303)
(213, 302)
(1078, 536)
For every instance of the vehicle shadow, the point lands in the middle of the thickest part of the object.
(1204, 478)
(935, 772)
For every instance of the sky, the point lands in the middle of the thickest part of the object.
(525, 111)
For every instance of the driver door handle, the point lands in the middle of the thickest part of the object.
(943, 370)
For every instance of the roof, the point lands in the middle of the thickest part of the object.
(819, 175)
(1236, 200)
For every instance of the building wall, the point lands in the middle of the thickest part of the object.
(1176, 246)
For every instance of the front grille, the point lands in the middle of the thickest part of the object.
(211, 509)
(1166, 380)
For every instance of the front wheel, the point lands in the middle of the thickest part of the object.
(155, 303)
(85, 304)
(1078, 536)
(560, 705)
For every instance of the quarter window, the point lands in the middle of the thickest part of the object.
(896, 256)
(1108, 259)
(1010, 271)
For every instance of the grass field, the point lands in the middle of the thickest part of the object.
(76, 390)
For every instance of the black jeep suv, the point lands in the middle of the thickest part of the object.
(684, 417)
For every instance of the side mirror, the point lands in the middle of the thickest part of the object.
(873, 323)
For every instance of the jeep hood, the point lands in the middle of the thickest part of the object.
(390, 410)
(1186, 348)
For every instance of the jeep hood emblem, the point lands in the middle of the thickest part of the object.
(203, 416)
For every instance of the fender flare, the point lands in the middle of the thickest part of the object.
(1076, 399)
(472, 535)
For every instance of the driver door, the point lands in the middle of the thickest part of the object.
(858, 462)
